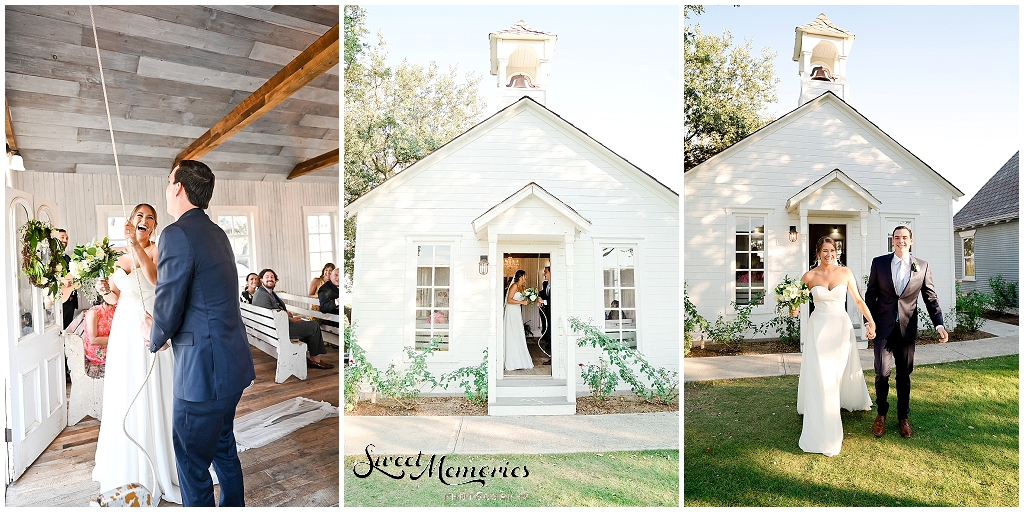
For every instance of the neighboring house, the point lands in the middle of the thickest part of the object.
(988, 231)
(755, 211)
(437, 244)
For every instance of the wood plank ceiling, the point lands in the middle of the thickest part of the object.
(172, 73)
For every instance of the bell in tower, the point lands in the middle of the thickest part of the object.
(521, 60)
(821, 48)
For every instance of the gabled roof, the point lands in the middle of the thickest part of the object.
(997, 200)
(797, 112)
(521, 28)
(823, 25)
(524, 103)
(841, 177)
(531, 190)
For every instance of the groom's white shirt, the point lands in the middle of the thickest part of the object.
(899, 271)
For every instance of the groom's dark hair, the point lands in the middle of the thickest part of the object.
(903, 227)
(197, 179)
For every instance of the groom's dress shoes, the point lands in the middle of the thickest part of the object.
(878, 427)
(905, 430)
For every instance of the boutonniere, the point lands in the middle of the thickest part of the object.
(913, 266)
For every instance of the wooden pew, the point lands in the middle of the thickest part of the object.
(86, 392)
(300, 305)
(267, 330)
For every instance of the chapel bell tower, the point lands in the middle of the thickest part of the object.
(521, 59)
(821, 49)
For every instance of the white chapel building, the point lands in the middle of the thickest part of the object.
(437, 244)
(755, 211)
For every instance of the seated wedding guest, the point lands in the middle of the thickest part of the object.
(97, 331)
(613, 314)
(317, 282)
(305, 330)
(252, 281)
(328, 294)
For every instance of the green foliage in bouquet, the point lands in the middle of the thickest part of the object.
(95, 260)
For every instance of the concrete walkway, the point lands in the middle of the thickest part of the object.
(511, 434)
(1006, 342)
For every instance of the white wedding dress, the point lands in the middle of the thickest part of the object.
(831, 377)
(517, 356)
(118, 460)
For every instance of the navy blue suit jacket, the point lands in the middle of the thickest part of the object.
(196, 309)
(883, 302)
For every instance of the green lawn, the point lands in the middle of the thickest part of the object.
(639, 478)
(740, 444)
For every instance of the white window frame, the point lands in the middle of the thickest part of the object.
(964, 235)
(409, 334)
(893, 220)
(336, 228)
(249, 211)
(635, 243)
(103, 212)
(730, 255)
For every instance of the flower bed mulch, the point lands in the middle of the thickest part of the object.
(459, 406)
(774, 346)
(1005, 318)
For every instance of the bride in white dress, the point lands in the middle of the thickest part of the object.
(831, 377)
(517, 356)
(118, 460)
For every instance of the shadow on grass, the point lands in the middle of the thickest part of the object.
(741, 436)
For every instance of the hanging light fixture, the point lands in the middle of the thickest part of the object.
(15, 161)
(483, 265)
(792, 233)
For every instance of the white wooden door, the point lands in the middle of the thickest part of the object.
(37, 411)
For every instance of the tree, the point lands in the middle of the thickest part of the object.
(726, 91)
(394, 116)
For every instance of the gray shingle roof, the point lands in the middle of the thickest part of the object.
(996, 200)
(823, 24)
(521, 28)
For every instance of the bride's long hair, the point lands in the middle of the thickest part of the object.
(817, 250)
(515, 279)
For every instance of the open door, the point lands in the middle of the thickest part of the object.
(37, 410)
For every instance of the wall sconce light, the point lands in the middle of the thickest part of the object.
(792, 233)
(483, 265)
(835, 230)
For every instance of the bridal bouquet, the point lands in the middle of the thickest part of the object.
(789, 294)
(531, 295)
(95, 260)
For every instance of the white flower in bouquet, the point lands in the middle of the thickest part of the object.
(531, 295)
(790, 294)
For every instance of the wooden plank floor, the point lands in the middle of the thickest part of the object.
(301, 469)
(539, 369)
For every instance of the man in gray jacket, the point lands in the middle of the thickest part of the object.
(305, 330)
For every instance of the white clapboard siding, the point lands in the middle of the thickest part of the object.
(280, 225)
(761, 173)
(441, 199)
(996, 253)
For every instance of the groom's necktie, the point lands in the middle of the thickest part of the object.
(902, 277)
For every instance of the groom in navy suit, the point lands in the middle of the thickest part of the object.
(196, 309)
(895, 282)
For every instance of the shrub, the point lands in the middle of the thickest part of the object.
(970, 310)
(692, 322)
(1004, 294)
(358, 372)
(787, 327)
(731, 331)
(600, 379)
(404, 384)
(927, 329)
(472, 380)
(664, 384)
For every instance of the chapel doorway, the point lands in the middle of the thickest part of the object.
(836, 232)
(535, 323)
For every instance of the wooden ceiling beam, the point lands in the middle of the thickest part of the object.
(312, 62)
(318, 162)
(9, 128)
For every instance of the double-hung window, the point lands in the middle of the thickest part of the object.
(749, 254)
(620, 305)
(433, 291)
(967, 248)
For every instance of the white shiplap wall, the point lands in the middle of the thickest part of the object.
(784, 159)
(280, 225)
(442, 199)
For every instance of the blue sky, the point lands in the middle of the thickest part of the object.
(615, 72)
(941, 80)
